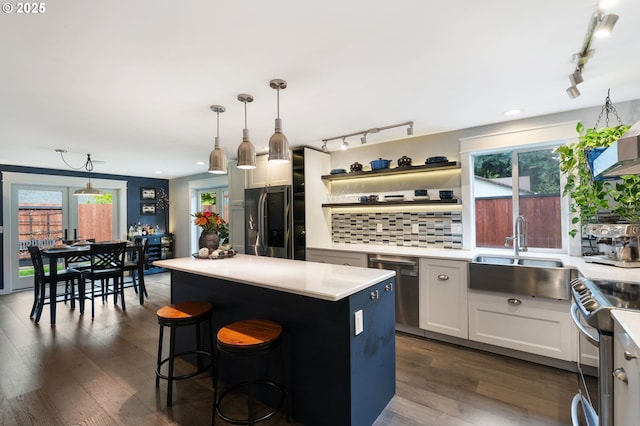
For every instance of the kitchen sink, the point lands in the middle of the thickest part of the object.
(528, 276)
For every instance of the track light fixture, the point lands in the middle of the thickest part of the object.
(246, 150)
(600, 25)
(217, 158)
(88, 166)
(364, 133)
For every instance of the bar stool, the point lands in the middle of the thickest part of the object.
(249, 338)
(183, 314)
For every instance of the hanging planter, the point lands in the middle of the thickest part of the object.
(593, 198)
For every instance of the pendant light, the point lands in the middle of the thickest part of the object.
(88, 166)
(89, 189)
(278, 144)
(217, 158)
(246, 151)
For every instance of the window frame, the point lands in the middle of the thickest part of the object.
(521, 140)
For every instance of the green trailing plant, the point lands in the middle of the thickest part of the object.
(591, 197)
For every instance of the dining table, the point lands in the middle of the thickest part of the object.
(77, 253)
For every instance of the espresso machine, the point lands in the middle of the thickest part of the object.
(617, 243)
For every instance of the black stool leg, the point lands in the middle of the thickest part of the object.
(172, 348)
(159, 356)
(250, 400)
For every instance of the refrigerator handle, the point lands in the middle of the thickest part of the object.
(261, 222)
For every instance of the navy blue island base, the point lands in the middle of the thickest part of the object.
(333, 376)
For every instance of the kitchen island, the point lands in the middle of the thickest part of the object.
(335, 374)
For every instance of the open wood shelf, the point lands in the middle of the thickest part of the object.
(394, 203)
(395, 171)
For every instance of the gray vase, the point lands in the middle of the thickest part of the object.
(209, 239)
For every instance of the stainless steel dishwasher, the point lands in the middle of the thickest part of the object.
(407, 285)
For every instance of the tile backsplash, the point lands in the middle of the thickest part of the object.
(434, 229)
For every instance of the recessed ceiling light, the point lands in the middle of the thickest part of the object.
(514, 111)
(158, 172)
(200, 163)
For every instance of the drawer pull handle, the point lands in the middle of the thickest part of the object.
(620, 374)
(443, 277)
(514, 301)
(374, 295)
(629, 356)
(388, 287)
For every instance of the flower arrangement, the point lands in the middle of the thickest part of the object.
(212, 222)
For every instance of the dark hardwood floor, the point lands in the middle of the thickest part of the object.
(101, 372)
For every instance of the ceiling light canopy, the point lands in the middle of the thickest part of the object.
(217, 158)
(246, 150)
(278, 144)
(88, 166)
(364, 133)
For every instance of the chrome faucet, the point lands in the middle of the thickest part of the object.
(519, 236)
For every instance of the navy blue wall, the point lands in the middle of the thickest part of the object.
(133, 198)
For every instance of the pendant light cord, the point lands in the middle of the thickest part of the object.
(88, 165)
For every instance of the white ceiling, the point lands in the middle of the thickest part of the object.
(131, 82)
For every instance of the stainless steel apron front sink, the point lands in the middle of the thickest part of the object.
(529, 276)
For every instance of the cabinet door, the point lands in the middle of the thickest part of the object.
(626, 403)
(257, 178)
(443, 297)
(336, 257)
(269, 174)
(536, 326)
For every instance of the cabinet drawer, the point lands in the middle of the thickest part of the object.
(541, 327)
(337, 257)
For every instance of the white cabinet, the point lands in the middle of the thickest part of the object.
(626, 382)
(443, 297)
(236, 207)
(337, 257)
(268, 174)
(524, 323)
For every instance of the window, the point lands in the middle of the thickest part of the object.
(215, 201)
(518, 182)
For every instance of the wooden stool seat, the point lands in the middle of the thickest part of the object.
(249, 335)
(179, 315)
(249, 339)
(184, 311)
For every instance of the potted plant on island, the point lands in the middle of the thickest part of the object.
(215, 230)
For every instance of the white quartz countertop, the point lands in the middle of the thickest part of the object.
(589, 270)
(630, 322)
(318, 280)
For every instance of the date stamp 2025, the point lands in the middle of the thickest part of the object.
(24, 8)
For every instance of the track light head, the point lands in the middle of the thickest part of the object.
(363, 139)
(605, 26)
(410, 130)
(573, 92)
(576, 77)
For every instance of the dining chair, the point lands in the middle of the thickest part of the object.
(107, 266)
(134, 263)
(41, 279)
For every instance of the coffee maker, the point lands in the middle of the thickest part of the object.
(617, 243)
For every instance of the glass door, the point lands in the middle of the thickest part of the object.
(45, 214)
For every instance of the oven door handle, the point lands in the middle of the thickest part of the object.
(590, 415)
(594, 340)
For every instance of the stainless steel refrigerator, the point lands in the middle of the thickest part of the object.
(268, 221)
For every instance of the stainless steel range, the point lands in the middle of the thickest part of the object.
(593, 301)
